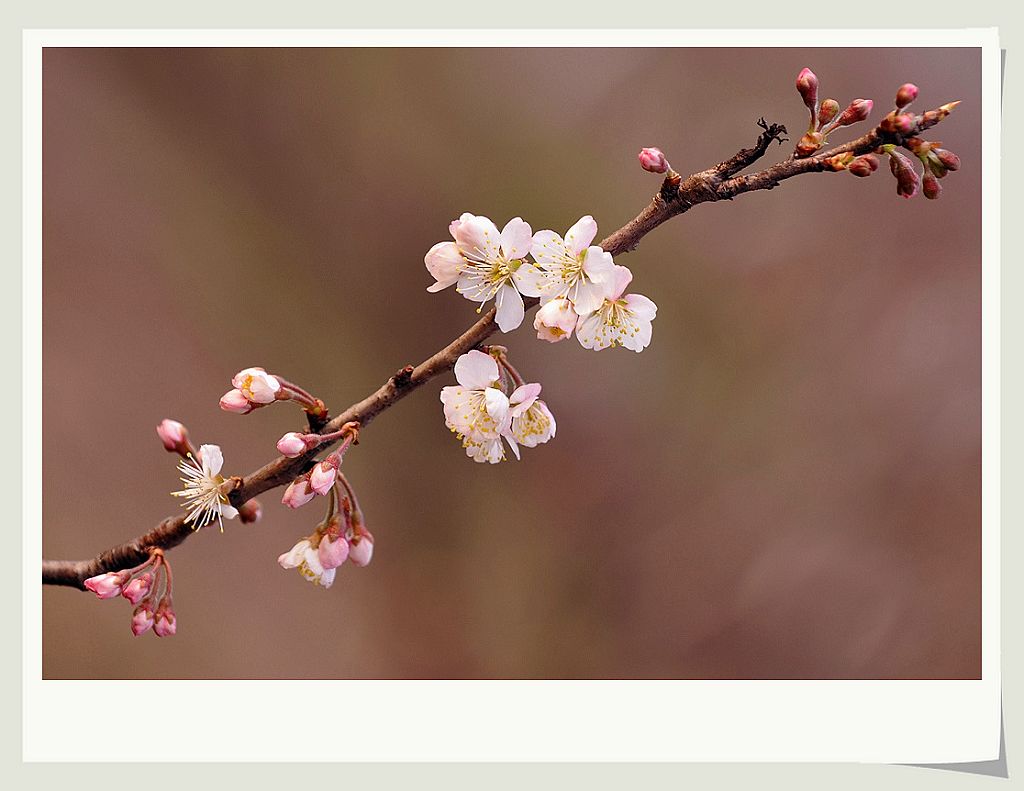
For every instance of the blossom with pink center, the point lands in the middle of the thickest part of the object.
(173, 434)
(332, 554)
(618, 320)
(142, 620)
(164, 623)
(136, 590)
(203, 492)
(556, 320)
(235, 401)
(292, 445)
(575, 268)
(488, 264)
(106, 586)
(476, 410)
(322, 478)
(298, 493)
(256, 385)
(303, 557)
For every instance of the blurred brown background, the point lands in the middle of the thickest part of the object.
(786, 484)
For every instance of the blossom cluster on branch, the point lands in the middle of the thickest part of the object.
(579, 289)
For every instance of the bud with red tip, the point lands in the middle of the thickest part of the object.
(250, 512)
(653, 160)
(930, 186)
(142, 620)
(828, 111)
(855, 112)
(905, 95)
(809, 143)
(136, 590)
(907, 180)
(864, 166)
(807, 86)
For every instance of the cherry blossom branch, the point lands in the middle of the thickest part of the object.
(677, 196)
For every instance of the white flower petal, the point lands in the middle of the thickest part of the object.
(478, 237)
(530, 280)
(476, 370)
(516, 239)
(579, 237)
(510, 308)
(548, 247)
(212, 459)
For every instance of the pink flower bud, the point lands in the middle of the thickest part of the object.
(906, 94)
(136, 590)
(864, 165)
(332, 553)
(904, 124)
(235, 401)
(142, 620)
(250, 512)
(807, 85)
(298, 493)
(172, 434)
(106, 586)
(321, 479)
(931, 187)
(555, 321)
(361, 549)
(856, 111)
(165, 624)
(809, 143)
(829, 110)
(292, 445)
(949, 160)
(652, 160)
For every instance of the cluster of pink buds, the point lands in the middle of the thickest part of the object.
(254, 388)
(825, 118)
(340, 537)
(148, 588)
(324, 474)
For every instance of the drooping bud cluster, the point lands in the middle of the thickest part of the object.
(321, 478)
(148, 588)
(936, 163)
(342, 536)
(826, 118)
(254, 388)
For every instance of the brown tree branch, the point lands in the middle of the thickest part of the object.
(677, 196)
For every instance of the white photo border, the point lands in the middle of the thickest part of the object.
(765, 721)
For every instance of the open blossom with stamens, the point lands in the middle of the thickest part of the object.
(203, 483)
(532, 421)
(556, 320)
(493, 265)
(256, 385)
(476, 410)
(575, 268)
(303, 557)
(619, 320)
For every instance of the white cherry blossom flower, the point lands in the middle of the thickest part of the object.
(476, 410)
(202, 492)
(618, 320)
(256, 385)
(532, 422)
(575, 269)
(493, 265)
(303, 557)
